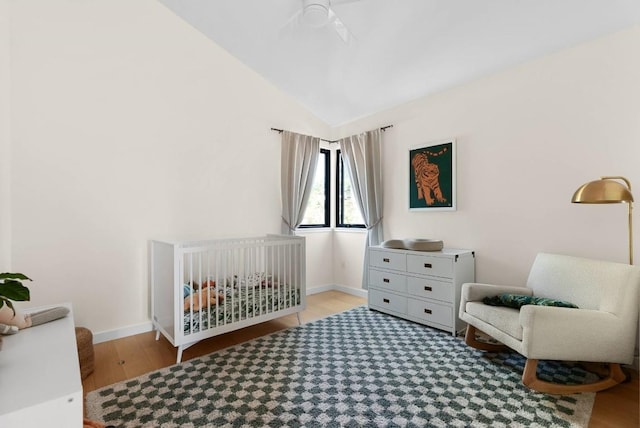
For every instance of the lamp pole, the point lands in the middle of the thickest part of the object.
(630, 203)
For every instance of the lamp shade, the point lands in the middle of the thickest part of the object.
(602, 192)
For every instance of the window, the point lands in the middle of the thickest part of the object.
(347, 210)
(317, 212)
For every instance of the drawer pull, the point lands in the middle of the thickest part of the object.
(427, 265)
(385, 300)
(427, 288)
(386, 260)
(427, 311)
(385, 280)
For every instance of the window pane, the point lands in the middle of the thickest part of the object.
(316, 212)
(348, 212)
(351, 212)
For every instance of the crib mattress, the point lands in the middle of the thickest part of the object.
(242, 304)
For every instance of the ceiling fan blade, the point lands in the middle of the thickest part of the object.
(339, 2)
(292, 25)
(340, 28)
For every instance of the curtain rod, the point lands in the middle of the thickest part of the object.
(280, 131)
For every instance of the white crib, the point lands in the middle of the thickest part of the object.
(202, 289)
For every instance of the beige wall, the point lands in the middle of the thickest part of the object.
(320, 260)
(5, 135)
(348, 257)
(527, 139)
(128, 125)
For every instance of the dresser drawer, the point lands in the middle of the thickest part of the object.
(387, 280)
(430, 288)
(387, 301)
(388, 260)
(431, 312)
(429, 265)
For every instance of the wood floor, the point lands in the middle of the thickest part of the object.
(122, 359)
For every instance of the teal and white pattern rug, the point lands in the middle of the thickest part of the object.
(360, 368)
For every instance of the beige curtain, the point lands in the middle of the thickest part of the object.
(299, 158)
(363, 160)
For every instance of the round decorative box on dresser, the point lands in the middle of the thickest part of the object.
(421, 286)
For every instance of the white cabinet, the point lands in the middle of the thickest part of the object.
(420, 286)
(40, 377)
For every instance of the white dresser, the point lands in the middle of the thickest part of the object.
(40, 382)
(420, 286)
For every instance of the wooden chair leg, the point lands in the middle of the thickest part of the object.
(530, 379)
(471, 340)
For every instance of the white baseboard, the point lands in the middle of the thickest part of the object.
(105, 336)
(334, 287)
(119, 333)
(320, 289)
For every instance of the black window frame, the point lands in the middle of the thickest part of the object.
(327, 193)
(340, 195)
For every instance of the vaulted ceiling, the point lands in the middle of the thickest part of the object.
(395, 51)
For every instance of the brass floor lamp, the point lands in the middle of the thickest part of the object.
(608, 191)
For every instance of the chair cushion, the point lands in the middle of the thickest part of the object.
(518, 300)
(504, 319)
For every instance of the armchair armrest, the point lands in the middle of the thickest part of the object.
(570, 334)
(474, 291)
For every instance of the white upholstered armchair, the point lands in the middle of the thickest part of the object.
(603, 329)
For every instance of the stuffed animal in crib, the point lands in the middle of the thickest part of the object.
(210, 283)
(202, 299)
(193, 286)
(11, 322)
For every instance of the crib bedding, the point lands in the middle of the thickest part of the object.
(241, 303)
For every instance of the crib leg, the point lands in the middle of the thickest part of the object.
(157, 334)
(179, 357)
(299, 319)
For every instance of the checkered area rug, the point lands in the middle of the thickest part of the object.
(360, 368)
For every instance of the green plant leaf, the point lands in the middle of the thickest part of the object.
(19, 276)
(14, 290)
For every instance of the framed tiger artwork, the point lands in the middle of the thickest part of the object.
(432, 176)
